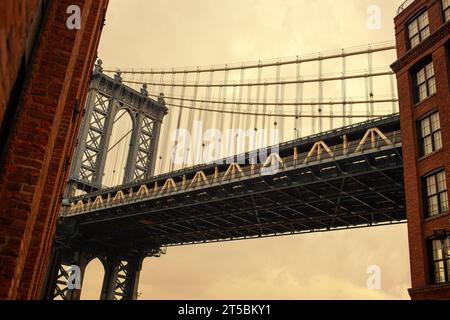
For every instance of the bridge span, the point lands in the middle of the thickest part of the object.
(351, 177)
(223, 201)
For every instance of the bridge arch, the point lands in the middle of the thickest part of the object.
(119, 146)
(93, 280)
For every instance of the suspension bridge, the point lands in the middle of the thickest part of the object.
(314, 146)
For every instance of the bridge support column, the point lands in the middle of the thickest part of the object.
(59, 274)
(121, 278)
(51, 278)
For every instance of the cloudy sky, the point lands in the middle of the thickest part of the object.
(178, 33)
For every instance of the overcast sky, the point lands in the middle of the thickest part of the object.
(178, 33)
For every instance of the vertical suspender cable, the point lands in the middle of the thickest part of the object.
(298, 111)
(232, 126)
(150, 83)
(258, 98)
(167, 126)
(180, 115)
(204, 116)
(132, 78)
(190, 125)
(393, 94)
(248, 118)
(241, 92)
(161, 83)
(277, 123)
(216, 115)
(266, 118)
(371, 93)
(344, 88)
(142, 77)
(282, 125)
(320, 97)
(224, 97)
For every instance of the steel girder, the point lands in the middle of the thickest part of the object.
(363, 190)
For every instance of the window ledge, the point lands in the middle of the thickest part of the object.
(418, 44)
(433, 290)
(437, 216)
(425, 100)
(430, 154)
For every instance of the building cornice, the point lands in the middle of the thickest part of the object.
(417, 51)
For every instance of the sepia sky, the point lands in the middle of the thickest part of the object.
(180, 33)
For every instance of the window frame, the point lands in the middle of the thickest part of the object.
(432, 134)
(445, 11)
(439, 194)
(429, 81)
(444, 259)
(420, 30)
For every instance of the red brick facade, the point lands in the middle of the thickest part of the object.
(421, 229)
(17, 18)
(41, 139)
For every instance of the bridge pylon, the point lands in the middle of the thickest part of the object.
(107, 97)
(121, 278)
(65, 275)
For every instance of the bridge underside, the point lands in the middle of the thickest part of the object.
(360, 190)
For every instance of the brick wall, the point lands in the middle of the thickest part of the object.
(41, 144)
(420, 229)
(16, 26)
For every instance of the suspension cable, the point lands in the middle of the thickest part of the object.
(267, 83)
(253, 65)
(251, 103)
(120, 140)
(284, 115)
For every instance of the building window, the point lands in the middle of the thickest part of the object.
(436, 199)
(424, 82)
(441, 260)
(430, 134)
(418, 29)
(446, 9)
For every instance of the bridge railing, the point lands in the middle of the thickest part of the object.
(372, 140)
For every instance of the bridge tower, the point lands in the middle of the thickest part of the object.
(106, 97)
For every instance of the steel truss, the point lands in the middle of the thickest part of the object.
(107, 96)
(120, 281)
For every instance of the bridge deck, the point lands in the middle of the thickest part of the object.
(345, 187)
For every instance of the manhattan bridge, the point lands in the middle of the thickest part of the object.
(302, 144)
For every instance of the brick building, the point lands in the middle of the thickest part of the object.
(422, 30)
(45, 69)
